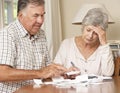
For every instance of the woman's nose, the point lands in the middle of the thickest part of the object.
(91, 34)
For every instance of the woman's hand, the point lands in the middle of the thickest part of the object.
(72, 76)
(101, 34)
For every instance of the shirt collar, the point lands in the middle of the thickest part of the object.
(21, 29)
(80, 56)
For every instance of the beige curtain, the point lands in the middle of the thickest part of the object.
(1, 14)
(52, 26)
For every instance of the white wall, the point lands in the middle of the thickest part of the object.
(69, 8)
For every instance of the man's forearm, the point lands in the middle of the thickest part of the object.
(11, 74)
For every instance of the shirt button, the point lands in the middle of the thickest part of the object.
(33, 66)
(85, 70)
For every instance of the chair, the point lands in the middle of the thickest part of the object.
(117, 66)
(117, 63)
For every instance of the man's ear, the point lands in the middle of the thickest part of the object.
(21, 13)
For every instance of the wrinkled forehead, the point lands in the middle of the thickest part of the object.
(31, 8)
(32, 5)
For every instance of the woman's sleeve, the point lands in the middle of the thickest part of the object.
(62, 53)
(107, 63)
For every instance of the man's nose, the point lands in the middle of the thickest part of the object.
(40, 19)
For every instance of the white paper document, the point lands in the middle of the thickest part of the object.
(82, 80)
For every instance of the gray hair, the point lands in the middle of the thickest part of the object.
(22, 4)
(96, 17)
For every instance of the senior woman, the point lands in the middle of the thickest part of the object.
(89, 52)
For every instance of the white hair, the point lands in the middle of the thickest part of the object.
(96, 17)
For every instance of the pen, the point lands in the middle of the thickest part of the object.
(73, 64)
(77, 69)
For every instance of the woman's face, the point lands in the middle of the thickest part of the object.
(89, 35)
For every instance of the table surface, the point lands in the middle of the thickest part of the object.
(107, 86)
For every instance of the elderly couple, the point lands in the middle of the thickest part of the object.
(24, 54)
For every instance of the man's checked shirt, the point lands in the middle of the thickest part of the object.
(20, 51)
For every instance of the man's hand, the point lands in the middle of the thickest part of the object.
(52, 70)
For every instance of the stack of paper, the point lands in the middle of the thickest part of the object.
(82, 80)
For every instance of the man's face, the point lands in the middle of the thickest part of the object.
(32, 18)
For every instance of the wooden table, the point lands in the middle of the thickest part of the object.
(108, 86)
